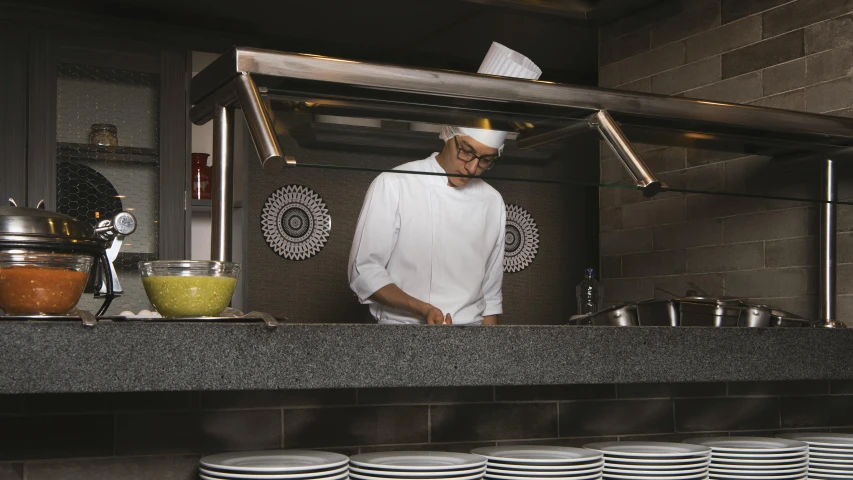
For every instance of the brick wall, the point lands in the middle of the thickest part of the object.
(795, 55)
(161, 435)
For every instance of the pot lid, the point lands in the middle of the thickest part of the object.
(39, 228)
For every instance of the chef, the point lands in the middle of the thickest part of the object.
(430, 248)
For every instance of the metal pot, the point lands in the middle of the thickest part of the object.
(709, 312)
(624, 316)
(658, 313)
(23, 228)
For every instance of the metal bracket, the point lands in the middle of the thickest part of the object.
(621, 146)
(610, 132)
(828, 221)
(268, 319)
(260, 125)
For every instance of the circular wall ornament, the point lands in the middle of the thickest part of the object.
(296, 222)
(521, 239)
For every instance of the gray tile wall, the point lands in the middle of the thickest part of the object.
(156, 436)
(776, 53)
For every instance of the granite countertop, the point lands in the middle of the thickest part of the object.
(138, 356)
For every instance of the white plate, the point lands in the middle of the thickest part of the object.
(848, 451)
(338, 477)
(359, 476)
(645, 466)
(536, 454)
(584, 477)
(657, 461)
(417, 461)
(524, 467)
(656, 473)
(700, 476)
(840, 456)
(717, 454)
(822, 439)
(759, 467)
(276, 476)
(540, 474)
(841, 466)
(749, 444)
(274, 461)
(759, 460)
(829, 470)
(648, 449)
(828, 475)
(785, 471)
(419, 474)
(799, 476)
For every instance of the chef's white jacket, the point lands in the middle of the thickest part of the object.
(440, 244)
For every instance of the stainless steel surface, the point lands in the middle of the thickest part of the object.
(260, 127)
(624, 316)
(532, 140)
(709, 314)
(631, 160)
(115, 230)
(666, 120)
(828, 220)
(223, 183)
(692, 312)
(34, 227)
(657, 313)
(755, 316)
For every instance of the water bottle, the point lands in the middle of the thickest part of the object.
(589, 293)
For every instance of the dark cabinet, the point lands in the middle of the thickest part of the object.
(94, 126)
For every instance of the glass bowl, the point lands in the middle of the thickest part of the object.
(42, 283)
(189, 288)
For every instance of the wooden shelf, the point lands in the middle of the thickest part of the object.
(88, 152)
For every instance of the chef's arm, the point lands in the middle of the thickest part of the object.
(393, 296)
(493, 281)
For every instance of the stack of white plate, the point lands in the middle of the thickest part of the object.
(416, 465)
(830, 454)
(541, 462)
(275, 465)
(653, 460)
(748, 458)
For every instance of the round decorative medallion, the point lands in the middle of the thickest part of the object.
(296, 222)
(521, 239)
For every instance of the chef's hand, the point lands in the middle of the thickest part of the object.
(434, 316)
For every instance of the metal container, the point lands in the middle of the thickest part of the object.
(657, 313)
(624, 316)
(709, 312)
(25, 229)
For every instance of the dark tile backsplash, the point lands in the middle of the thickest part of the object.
(56, 436)
(615, 417)
(791, 54)
(497, 421)
(163, 437)
(724, 414)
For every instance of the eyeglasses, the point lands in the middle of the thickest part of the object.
(485, 162)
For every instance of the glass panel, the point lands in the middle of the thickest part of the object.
(731, 224)
(108, 161)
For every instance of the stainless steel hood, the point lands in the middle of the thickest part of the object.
(395, 92)
(541, 111)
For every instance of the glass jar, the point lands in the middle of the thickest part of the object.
(104, 134)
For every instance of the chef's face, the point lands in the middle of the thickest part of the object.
(466, 156)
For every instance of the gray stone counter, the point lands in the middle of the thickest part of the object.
(135, 356)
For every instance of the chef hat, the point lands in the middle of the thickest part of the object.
(503, 62)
